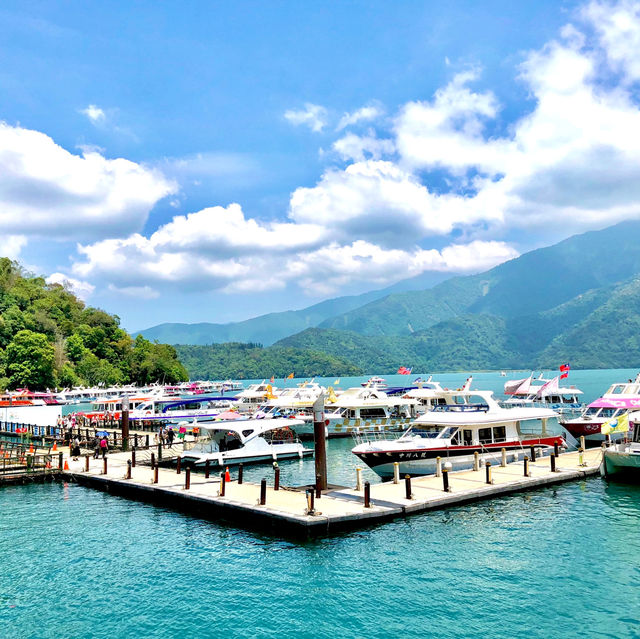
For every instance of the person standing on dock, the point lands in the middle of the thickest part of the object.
(170, 436)
(96, 452)
(75, 450)
(104, 446)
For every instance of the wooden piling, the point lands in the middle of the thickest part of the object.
(276, 479)
(320, 441)
(178, 466)
(86, 463)
(526, 466)
(133, 458)
(104, 466)
(367, 494)
(263, 492)
(476, 461)
(318, 486)
(187, 478)
(533, 453)
(129, 464)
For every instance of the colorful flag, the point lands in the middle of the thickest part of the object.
(336, 382)
(273, 379)
(564, 375)
(290, 376)
(550, 387)
(403, 370)
(565, 368)
(616, 425)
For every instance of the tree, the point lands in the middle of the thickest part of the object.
(29, 361)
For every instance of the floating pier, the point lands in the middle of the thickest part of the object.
(300, 512)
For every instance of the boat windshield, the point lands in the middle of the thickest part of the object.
(431, 432)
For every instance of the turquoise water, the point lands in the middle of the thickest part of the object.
(555, 562)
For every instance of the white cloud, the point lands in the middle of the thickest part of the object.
(365, 114)
(48, 192)
(82, 289)
(94, 113)
(361, 147)
(313, 115)
(12, 245)
(137, 292)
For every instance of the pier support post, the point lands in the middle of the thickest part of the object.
(445, 480)
(358, 478)
(503, 461)
(407, 487)
(125, 424)
(367, 494)
(476, 461)
(133, 458)
(263, 492)
(438, 466)
(187, 478)
(318, 487)
(128, 475)
(276, 478)
(86, 463)
(104, 466)
(533, 453)
(319, 440)
(178, 466)
(526, 466)
(311, 507)
(240, 473)
(487, 467)
(553, 463)
(396, 473)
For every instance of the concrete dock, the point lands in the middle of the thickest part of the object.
(286, 510)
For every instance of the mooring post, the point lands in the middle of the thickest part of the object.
(104, 466)
(155, 474)
(207, 468)
(133, 458)
(128, 476)
(153, 460)
(438, 466)
(503, 461)
(476, 461)
(160, 451)
(367, 494)
(311, 507)
(124, 424)
(60, 462)
(358, 478)
(487, 467)
(86, 463)
(556, 449)
(582, 444)
(533, 453)
(581, 457)
(553, 463)
(276, 479)
(187, 478)
(178, 466)
(320, 441)
(445, 480)
(146, 441)
(396, 473)
(407, 487)
(608, 442)
(318, 487)
(263, 492)
(526, 466)
(223, 485)
(240, 473)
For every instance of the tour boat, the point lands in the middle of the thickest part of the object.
(546, 393)
(249, 441)
(173, 410)
(26, 407)
(375, 382)
(624, 457)
(472, 422)
(619, 399)
(252, 397)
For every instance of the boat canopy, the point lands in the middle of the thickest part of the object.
(627, 402)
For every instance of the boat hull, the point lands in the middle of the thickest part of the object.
(424, 461)
(590, 430)
(621, 462)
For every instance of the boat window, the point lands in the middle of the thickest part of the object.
(246, 433)
(616, 389)
(468, 437)
(484, 436)
(592, 411)
(447, 433)
(608, 412)
(368, 413)
(499, 434)
(429, 432)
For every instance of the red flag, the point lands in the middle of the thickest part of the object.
(403, 370)
(564, 375)
(564, 368)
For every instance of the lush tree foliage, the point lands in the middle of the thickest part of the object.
(49, 338)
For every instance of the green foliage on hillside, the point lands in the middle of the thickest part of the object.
(251, 361)
(49, 338)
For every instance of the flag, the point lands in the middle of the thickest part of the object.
(403, 370)
(290, 376)
(564, 375)
(565, 368)
(336, 382)
(549, 387)
(616, 425)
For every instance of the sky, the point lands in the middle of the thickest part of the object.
(213, 161)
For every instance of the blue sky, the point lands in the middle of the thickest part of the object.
(215, 161)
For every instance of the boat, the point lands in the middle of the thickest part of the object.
(254, 396)
(249, 441)
(429, 395)
(173, 410)
(473, 422)
(26, 407)
(375, 382)
(620, 398)
(546, 393)
(623, 457)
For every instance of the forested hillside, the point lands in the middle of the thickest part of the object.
(49, 338)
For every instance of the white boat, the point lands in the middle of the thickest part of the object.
(249, 441)
(623, 457)
(546, 393)
(375, 382)
(429, 395)
(173, 410)
(254, 396)
(473, 422)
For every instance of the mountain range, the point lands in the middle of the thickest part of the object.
(576, 301)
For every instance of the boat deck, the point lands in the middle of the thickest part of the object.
(285, 510)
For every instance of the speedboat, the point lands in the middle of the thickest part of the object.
(618, 400)
(249, 441)
(473, 422)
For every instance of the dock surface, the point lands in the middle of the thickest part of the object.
(285, 510)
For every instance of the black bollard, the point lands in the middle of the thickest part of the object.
(276, 480)
(445, 480)
(60, 462)
(553, 463)
(487, 467)
(86, 463)
(240, 473)
(407, 487)
(178, 466)
(263, 492)
(128, 469)
(318, 486)
(146, 441)
(223, 484)
(533, 453)
(311, 507)
(526, 466)
(207, 465)
(187, 478)
(104, 467)
(160, 452)
(133, 458)
(556, 449)
(153, 460)
(367, 494)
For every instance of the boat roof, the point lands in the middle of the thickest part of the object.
(620, 402)
(172, 402)
(257, 425)
(465, 416)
